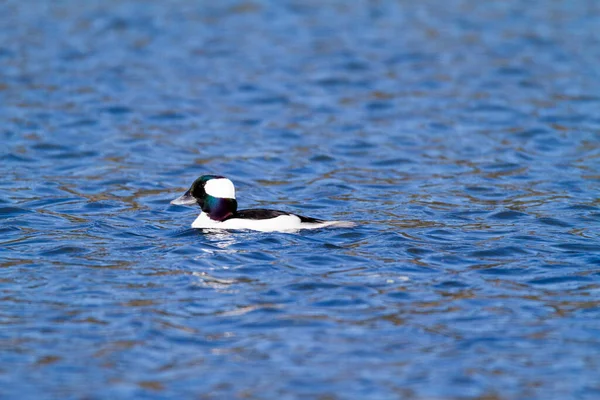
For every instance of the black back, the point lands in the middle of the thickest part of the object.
(262, 213)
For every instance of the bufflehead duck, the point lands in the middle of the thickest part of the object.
(216, 197)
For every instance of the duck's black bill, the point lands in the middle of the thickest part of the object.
(186, 200)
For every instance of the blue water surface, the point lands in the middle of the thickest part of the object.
(462, 136)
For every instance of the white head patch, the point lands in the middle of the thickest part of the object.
(220, 187)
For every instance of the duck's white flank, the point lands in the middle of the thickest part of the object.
(220, 187)
(282, 223)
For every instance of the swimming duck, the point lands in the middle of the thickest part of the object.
(216, 197)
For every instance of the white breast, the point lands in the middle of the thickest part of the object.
(282, 223)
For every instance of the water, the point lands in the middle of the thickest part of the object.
(462, 136)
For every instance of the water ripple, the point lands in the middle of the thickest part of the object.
(465, 149)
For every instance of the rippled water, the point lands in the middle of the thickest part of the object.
(462, 136)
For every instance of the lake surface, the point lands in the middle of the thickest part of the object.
(462, 136)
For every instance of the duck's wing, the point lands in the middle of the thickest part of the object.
(262, 213)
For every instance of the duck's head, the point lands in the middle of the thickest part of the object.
(214, 194)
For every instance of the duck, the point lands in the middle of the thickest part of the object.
(215, 195)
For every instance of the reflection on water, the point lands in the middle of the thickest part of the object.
(462, 137)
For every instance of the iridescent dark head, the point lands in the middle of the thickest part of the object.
(214, 194)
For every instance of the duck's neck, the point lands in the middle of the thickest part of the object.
(219, 209)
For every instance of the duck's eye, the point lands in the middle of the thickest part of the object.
(197, 190)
